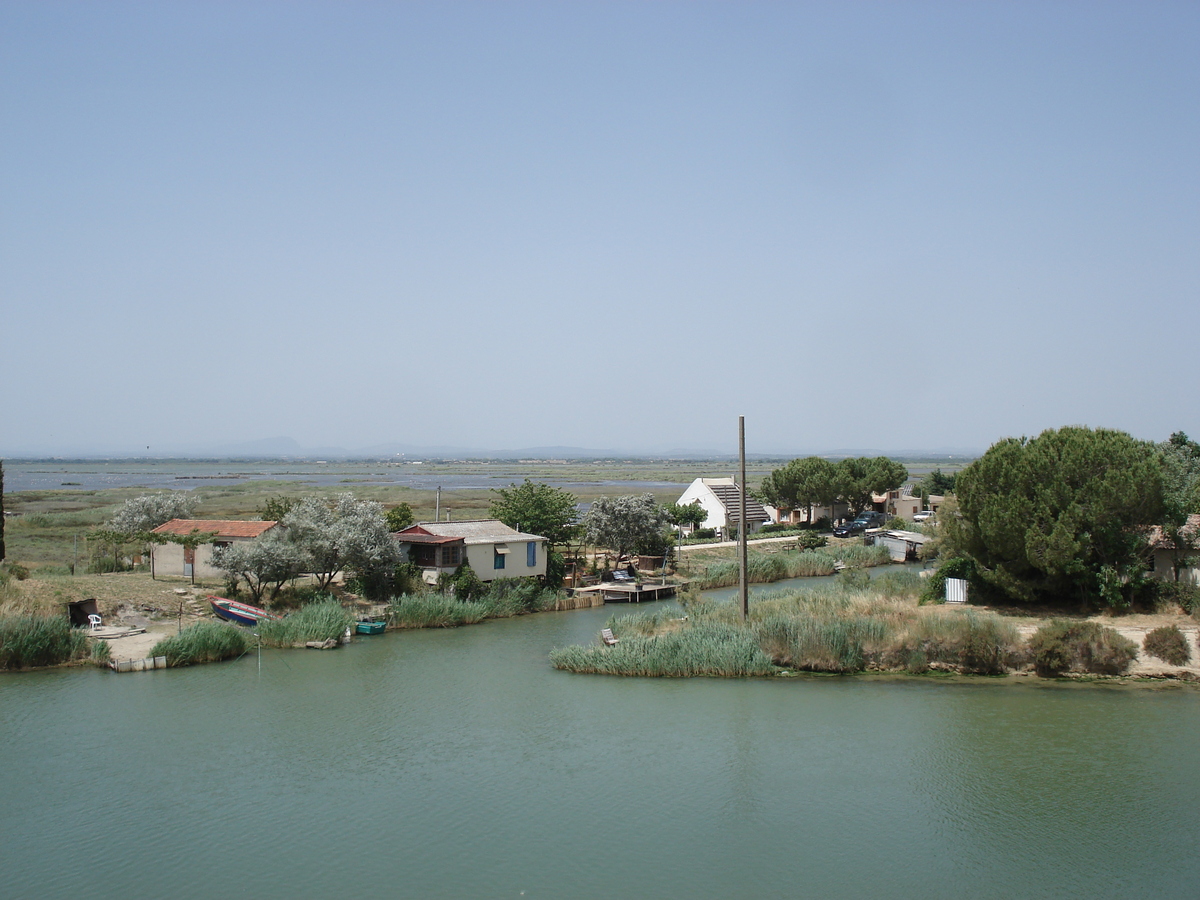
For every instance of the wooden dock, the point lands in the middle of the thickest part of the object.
(630, 592)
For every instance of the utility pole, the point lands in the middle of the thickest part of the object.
(437, 505)
(742, 559)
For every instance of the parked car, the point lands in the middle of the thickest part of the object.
(925, 515)
(865, 520)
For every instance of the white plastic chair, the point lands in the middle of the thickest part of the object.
(94, 621)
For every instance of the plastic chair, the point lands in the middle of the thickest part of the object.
(94, 621)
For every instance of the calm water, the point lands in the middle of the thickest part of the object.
(458, 764)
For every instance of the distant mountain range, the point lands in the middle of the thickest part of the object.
(290, 448)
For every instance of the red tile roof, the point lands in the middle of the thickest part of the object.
(225, 528)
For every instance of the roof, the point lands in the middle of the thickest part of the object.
(225, 528)
(477, 531)
(1189, 531)
(730, 496)
(415, 534)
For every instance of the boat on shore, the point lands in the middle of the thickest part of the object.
(240, 613)
(370, 626)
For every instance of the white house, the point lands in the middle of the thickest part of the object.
(721, 499)
(1164, 552)
(196, 562)
(492, 548)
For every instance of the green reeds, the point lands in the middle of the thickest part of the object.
(317, 621)
(859, 556)
(204, 642)
(710, 648)
(766, 568)
(28, 641)
(433, 611)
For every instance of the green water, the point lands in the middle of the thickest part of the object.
(458, 764)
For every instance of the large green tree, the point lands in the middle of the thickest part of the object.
(860, 477)
(624, 524)
(1, 510)
(806, 482)
(1181, 498)
(1060, 516)
(536, 508)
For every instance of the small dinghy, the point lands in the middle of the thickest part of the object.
(241, 613)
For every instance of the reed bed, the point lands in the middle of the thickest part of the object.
(504, 599)
(711, 648)
(204, 642)
(830, 629)
(766, 568)
(27, 641)
(319, 621)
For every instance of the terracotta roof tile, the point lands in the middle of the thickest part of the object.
(225, 528)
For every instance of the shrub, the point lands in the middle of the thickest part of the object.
(935, 584)
(464, 583)
(895, 523)
(28, 641)
(810, 540)
(203, 642)
(975, 643)
(317, 621)
(704, 534)
(1065, 646)
(18, 571)
(1168, 644)
(1178, 593)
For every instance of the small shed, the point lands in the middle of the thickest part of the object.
(902, 545)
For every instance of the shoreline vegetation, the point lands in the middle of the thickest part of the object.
(859, 630)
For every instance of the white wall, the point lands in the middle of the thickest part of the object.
(482, 556)
(698, 491)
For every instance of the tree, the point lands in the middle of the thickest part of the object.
(623, 523)
(1, 510)
(1061, 515)
(275, 508)
(348, 535)
(399, 517)
(860, 477)
(147, 512)
(688, 514)
(804, 482)
(1180, 457)
(935, 483)
(264, 564)
(537, 508)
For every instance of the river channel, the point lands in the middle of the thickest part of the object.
(457, 763)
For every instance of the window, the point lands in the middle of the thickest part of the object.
(531, 554)
(451, 556)
(498, 558)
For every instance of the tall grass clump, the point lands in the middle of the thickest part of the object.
(317, 621)
(858, 556)
(820, 644)
(433, 610)
(203, 642)
(516, 596)
(708, 648)
(1169, 644)
(1065, 646)
(902, 584)
(28, 641)
(766, 568)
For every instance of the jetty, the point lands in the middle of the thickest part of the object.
(629, 591)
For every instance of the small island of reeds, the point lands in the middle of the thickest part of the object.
(875, 627)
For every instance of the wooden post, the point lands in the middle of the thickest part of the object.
(742, 559)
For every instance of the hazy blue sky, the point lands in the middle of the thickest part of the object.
(501, 225)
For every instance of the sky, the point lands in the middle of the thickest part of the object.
(600, 225)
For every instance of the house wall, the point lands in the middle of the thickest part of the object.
(1164, 568)
(482, 557)
(905, 507)
(168, 559)
(698, 491)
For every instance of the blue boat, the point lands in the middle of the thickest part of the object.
(370, 626)
(241, 613)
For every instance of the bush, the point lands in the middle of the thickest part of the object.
(1168, 644)
(18, 571)
(464, 583)
(810, 540)
(704, 534)
(935, 584)
(28, 641)
(978, 644)
(1178, 593)
(895, 523)
(203, 642)
(317, 621)
(1065, 646)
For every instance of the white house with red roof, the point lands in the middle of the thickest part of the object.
(196, 562)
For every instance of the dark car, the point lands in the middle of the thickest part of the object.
(862, 523)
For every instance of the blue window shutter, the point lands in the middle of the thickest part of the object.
(497, 560)
(531, 554)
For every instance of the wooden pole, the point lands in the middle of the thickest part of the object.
(742, 559)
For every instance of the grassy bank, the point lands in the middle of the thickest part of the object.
(839, 630)
(204, 642)
(29, 641)
(766, 568)
(504, 599)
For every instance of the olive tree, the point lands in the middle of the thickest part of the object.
(1059, 516)
(147, 512)
(622, 524)
(347, 535)
(265, 564)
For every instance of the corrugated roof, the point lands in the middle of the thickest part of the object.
(225, 528)
(730, 497)
(479, 531)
